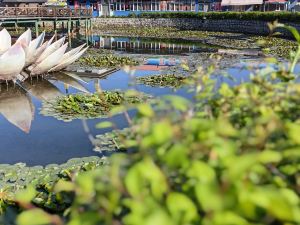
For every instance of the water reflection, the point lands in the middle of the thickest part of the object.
(154, 46)
(16, 107)
(16, 103)
(69, 79)
(42, 89)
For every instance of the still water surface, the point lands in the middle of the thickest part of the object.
(52, 141)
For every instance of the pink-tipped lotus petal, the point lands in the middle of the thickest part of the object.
(50, 61)
(16, 107)
(5, 41)
(68, 62)
(25, 38)
(69, 80)
(72, 52)
(32, 49)
(12, 62)
(50, 49)
(38, 52)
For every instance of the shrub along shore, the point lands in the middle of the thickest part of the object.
(261, 16)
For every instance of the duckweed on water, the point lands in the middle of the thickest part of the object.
(160, 32)
(163, 80)
(107, 61)
(96, 105)
(18, 176)
(276, 46)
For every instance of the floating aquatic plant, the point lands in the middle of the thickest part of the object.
(95, 105)
(163, 80)
(107, 61)
(114, 140)
(18, 176)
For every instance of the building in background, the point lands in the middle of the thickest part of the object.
(258, 5)
(56, 3)
(276, 5)
(96, 5)
(242, 5)
(126, 7)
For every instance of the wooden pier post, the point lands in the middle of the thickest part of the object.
(16, 26)
(36, 28)
(69, 32)
(54, 25)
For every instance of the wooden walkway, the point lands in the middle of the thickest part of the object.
(43, 13)
(55, 15)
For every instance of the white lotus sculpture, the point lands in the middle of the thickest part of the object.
(34, 57)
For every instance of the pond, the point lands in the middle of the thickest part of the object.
(29, 137)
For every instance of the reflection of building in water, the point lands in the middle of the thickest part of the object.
(142, 46)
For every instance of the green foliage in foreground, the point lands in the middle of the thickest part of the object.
(263, 16)
(163, 80)
(107, 61)
(231, 158)
(95, 105)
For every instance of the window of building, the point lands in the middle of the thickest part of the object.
(118, 5)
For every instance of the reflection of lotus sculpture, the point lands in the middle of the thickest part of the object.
(16, 107)
(34, 56)
(16, 103)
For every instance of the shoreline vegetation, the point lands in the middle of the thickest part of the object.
(261, 16)
(230, 156)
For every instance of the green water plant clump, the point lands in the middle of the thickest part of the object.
(275, 46)
(114, 140)
(163, 80)
(107, 61)
(96, 105)
(16, 177)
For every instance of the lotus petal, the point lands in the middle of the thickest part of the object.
(33, 48)
(50, 49)
(69, 80)
(72, 52)
(68, 62)
(50, 61)
(51, 40)
(5, 41)
(17, 108)
(25, 38)
(12, 62)
(42, 89)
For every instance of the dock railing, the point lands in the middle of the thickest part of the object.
(44, 12)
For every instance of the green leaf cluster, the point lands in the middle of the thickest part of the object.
(95, 105)
(107, 61)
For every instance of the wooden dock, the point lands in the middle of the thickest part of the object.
(25, 13)
(37, 15)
